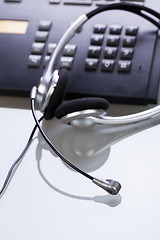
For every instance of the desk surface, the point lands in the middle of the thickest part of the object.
(47, 200)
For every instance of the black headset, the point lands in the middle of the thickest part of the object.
(84, 112)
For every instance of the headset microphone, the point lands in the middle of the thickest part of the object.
(111, 186)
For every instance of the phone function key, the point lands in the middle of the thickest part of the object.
(41, 36)
(69, 50)
(51, 48)
(37, 48)
(66, 62)
(124, 66)
(34, 60)
(45, 25)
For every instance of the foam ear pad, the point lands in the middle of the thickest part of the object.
(80, 105)
(58, 95)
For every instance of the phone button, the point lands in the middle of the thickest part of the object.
(110, 52)
(132, 30)
(127, 53)
(91, 64)
(97, 39)
(94, 51)
(124, 66)
(38, 48)
(45, 25)
(115, 29)
(41, 36)
(113, 41)
(66, 62)
(100, 28)
(107, 65)
(34, 60)
(129, 41)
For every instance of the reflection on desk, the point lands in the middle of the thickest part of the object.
(47, 200)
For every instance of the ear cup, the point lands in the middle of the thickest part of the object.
(58, 95)
(80, 105)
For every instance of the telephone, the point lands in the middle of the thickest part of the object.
(115, 55)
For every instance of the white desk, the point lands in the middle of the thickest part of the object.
(47, 200)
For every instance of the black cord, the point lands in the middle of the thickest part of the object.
(63, 158)
(134, 8)
(15, 164)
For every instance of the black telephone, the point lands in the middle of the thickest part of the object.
(115, 55)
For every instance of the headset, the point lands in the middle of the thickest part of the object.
(84, 112)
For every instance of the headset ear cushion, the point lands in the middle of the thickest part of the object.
(80, 105)
(58, 95)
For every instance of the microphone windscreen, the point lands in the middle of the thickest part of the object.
(80, 105)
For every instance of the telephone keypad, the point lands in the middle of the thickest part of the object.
(119, 50)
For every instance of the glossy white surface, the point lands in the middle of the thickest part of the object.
(47, 200)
